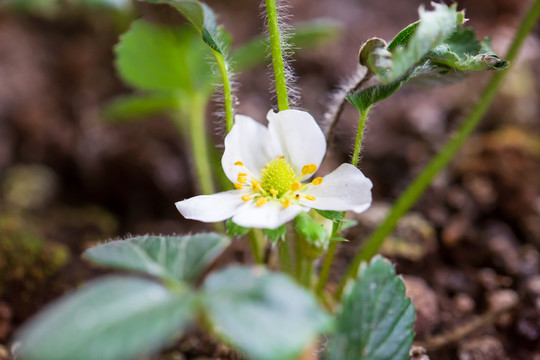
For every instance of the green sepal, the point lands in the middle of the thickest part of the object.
(234, 229)
(335, 216)
(314, 236)
(276, 234)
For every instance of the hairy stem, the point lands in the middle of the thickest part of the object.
(326, 267)
(284, 255)
(277, 55)
(422, 181)
(360, 135)
(227, 90)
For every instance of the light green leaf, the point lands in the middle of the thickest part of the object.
(235, 229)
(265, 315)
(163, 58)
(179, 258)
(303, 35)
(113, 318)
(202, 18)
(136, 106)
(276, 234)
(376, 320)
(434, 27)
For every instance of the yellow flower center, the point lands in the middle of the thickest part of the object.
(277, 182)
(277, 177)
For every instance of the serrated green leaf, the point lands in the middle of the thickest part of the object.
(109, 319)
(276, 234)
(163, 58)
(365, 98)
(179, 258)
(304, 35)
(376, 321)
(434, 27)
(235, 229)
(403, 37)
(136, 106)
(335, 216)
(201, 17)
(265, 315)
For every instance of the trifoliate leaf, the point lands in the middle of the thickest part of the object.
(108, 319)
(376, 321)
(264, 315)
(178, 258)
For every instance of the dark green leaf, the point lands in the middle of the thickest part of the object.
(265, 315)
(403, 37)
(163, 58)
(335, 216)
(109, 319)
(304, 35)
(180, 258)
(373, 94)
(134, 107)
(376, 320)
(235, 229)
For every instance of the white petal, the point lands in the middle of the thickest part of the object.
(269, 216)
(211, 208)
(346, 188)
(247, 142)
(301, 138)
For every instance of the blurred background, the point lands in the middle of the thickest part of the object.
(69, 179)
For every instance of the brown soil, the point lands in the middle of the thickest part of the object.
(469, 249)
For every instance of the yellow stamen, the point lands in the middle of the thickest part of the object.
(286, 203)
(238, 186)
(312, 168)
(239, 163)
(274, 191)
(242, 174)
(310, 197)
(246, 197)
(255, 185)
(242, 179)
(309, 169)
(297, 196)
(296, 186)
(317, 181)
(261, 201)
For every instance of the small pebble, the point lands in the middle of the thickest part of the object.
(418, 353)
(426, 305)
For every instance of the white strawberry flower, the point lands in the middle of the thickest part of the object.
(269, 167)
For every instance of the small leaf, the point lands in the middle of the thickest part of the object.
(133, 107)
(163, 58)
(339, 239)
(108, 319)
(235, 229)
(348, 224)
(276, 234)
(368, 97)
(335, 216)
(403, 37)
(265, 315)
(310, 229)
(376, 320)
(303, 35)
(374, 55)
(179, 258)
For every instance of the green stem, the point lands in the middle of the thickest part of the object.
(422, 181)
(256, 239)
(227, 90)
(284, 255)
(360, 135)
(199, 148)
(307, 272)
(277, 55)
(326, 267)
(199, 144)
